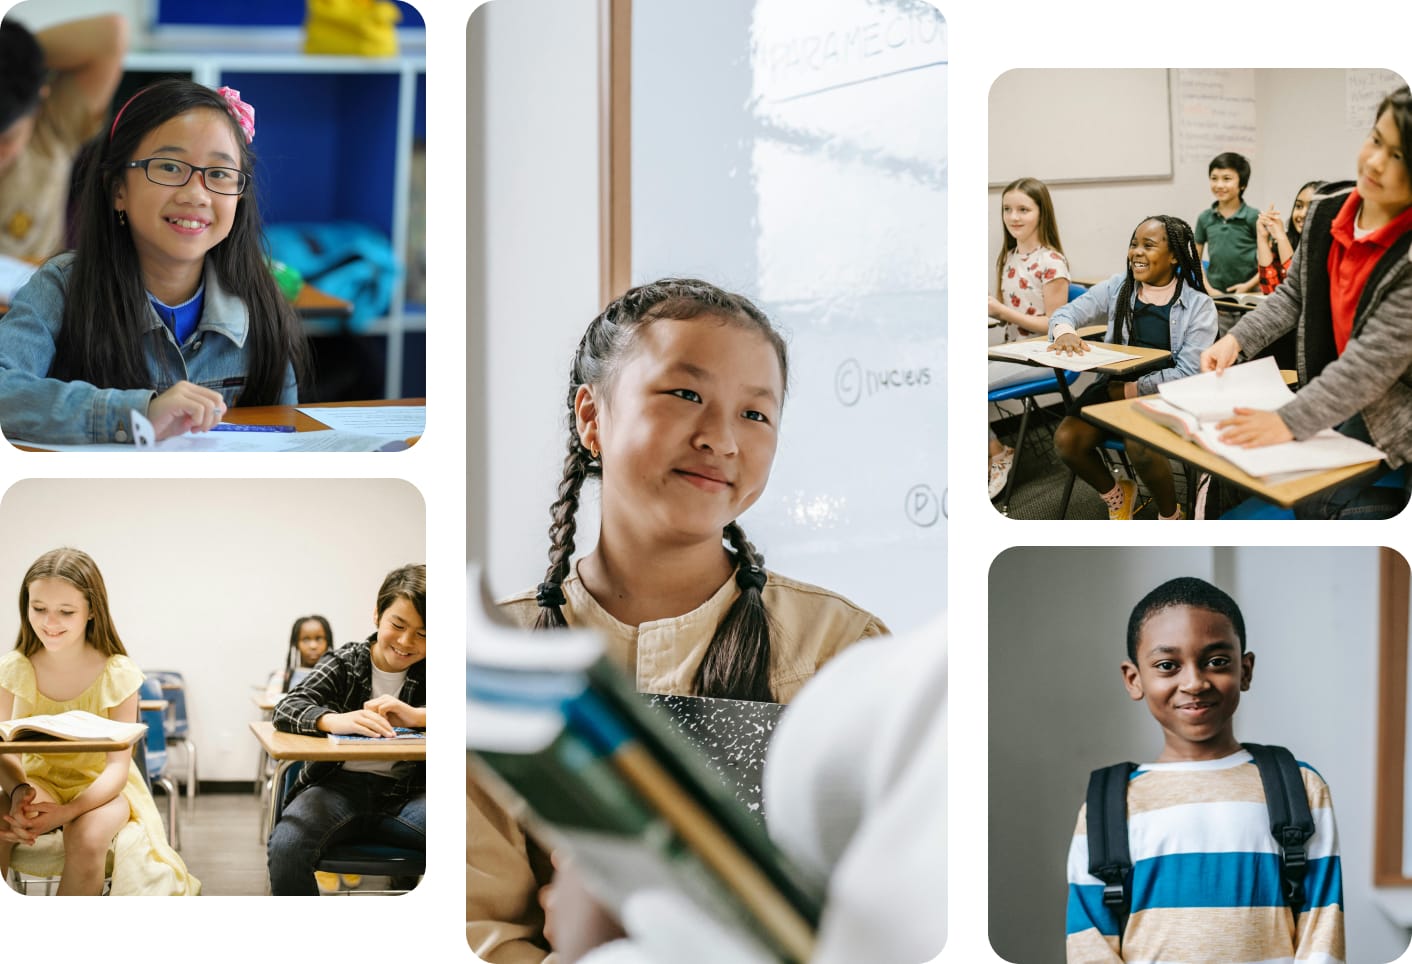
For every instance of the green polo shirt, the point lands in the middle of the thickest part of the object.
(1230, 245)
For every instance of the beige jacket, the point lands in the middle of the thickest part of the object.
(809, 627)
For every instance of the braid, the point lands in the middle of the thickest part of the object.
(737, 661)
(561, 536)
(1182, 243)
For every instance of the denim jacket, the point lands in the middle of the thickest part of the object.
(1191, 324)
(37, 408)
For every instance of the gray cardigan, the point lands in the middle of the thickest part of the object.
(1374, 373)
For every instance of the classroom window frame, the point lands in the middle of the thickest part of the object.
(1389, 821)
(614, 148)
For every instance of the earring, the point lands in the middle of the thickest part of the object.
(122, 217)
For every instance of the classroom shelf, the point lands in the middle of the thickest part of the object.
(335, 137)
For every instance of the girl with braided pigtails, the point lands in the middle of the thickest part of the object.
(674, 404)
(1159, 302)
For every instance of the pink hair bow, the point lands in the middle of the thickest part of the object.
(243, 113)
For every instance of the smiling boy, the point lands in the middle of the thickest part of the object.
(366, 688)
(1228, 226)
(1206, 881)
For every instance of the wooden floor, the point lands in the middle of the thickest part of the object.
(220, 842)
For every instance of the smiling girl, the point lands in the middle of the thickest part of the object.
(1158, 303)
(167, 307)
(674, 402)
(1275, 242)
(1031, 282)
(1348, 298)
(69, 657)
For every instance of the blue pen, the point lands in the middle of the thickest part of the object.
(234, 427)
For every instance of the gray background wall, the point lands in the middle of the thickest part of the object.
(1058, 708)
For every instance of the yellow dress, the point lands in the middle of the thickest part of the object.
(143, 861)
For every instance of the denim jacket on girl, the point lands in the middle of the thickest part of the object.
(1192, 324)
(34, 407)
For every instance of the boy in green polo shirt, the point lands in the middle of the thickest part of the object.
(1228, 225)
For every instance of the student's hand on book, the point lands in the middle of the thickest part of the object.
(1251, 428)
(574, 922)
(397, 712)
(185, 407)
(361, 722)
(1221, 355)
(1068, 343)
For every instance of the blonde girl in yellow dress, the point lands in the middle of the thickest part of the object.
(69, 657)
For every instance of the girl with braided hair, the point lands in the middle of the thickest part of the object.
(1159, 302)
(674, 403)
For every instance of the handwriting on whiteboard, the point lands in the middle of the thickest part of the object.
(853, 381)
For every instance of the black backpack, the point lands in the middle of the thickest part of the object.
(1107, 821)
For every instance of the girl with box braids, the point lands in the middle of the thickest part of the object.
(737, 661)
(1182, 243)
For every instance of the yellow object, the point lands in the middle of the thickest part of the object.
(365, 28)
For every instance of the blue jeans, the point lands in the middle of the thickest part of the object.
(1359, 499)
(344, 806)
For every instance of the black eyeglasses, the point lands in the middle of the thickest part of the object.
(169, 172)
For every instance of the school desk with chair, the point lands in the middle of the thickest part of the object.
(1139, 361)
(286, 749)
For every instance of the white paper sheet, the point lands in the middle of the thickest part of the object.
(385, 421)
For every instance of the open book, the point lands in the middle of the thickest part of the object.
(1192, 407)
(401, 735)
(561, 738)
(73, 725)
(1037, 351)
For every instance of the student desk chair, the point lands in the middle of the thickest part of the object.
(288, 749)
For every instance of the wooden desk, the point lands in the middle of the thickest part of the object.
(1141, 360)
(1124, 418)
(288, 748)
(152, 706)
(66, 746)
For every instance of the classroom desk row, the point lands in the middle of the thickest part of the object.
(1124, 418)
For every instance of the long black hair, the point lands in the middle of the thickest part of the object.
(1182, 243)
(737, 661)
(104, 335)
(1291, 231)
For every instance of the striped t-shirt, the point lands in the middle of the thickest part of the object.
(1206, 882)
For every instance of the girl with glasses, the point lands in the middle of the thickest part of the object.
(167, 308)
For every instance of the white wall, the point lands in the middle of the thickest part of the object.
(532, 145)
(1058, 709)
(1301, 134)
(206, 576)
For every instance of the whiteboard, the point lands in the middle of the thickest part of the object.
(796, 152)
(1041, 125)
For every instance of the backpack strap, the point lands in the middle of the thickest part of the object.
(1290, 819)
(1107, 824)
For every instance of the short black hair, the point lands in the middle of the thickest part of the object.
(1232, 161)
(22, 72)
(1184, 591)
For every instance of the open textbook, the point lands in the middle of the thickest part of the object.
(1037, 351)
(401, 734)
(1192, 407)
(73, 725)
(561, 738)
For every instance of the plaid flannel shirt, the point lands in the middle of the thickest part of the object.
(341, 682)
